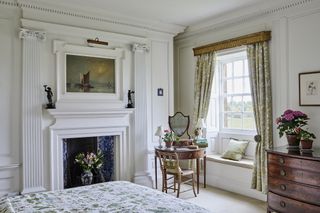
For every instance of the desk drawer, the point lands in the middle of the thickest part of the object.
(294, 190)
(309, 165)
(297, 175)
(283, 204)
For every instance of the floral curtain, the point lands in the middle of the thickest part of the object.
(260, 79)
(203, 83)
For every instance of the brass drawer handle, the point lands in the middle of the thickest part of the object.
(282, 172)
(282, 204)
(283, 187)
(281, 160)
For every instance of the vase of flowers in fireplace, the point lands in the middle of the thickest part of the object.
(87, 162)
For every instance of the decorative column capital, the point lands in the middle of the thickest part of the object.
(140, 47)
(32, 34)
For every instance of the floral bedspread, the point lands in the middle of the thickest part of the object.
(116, 196)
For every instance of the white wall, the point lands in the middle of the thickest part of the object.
(294, 49)
(73, 30)
(10, 101)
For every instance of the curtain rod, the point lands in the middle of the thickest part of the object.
(234, 42)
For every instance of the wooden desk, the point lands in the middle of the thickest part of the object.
(185, 154)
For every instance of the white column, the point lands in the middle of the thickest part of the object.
(141, 176)
(32, 147)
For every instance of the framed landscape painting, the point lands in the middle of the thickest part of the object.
(309, 88)
(88, 74)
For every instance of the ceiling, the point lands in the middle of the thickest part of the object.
(176, 12)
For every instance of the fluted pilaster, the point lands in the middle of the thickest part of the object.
(141, 116)
(32, 111)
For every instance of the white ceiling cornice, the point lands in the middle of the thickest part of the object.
(241, 16)
(84, 13)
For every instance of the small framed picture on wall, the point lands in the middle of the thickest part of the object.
(309, 88)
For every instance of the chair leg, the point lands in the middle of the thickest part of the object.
(163, 180)
(194, 191)
(174, 185)
(179, 182)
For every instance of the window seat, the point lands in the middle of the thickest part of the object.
(244, 162)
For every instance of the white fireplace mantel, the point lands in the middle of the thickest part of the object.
(76, 124)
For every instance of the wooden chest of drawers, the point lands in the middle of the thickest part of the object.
(293, 181)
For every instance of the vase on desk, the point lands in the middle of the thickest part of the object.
(169, 144)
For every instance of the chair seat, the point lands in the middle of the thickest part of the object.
(186, 172)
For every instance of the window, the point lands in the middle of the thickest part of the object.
(231, 103)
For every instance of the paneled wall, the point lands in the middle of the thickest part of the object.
(74, 29)
(10, 101)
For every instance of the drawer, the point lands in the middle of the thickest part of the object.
(283, 204)
(305, 164)
(296, 191)
(297, 175)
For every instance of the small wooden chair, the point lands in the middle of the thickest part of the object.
(169, 163)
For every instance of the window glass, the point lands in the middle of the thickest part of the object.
(238, 68)
(231, 105)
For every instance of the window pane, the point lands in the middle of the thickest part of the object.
(236, 121)
(238, 85)
(238, 68)
(228, 86)
(246, 85)
(246, 70)
(227, 104)
(236, 104)
(247, 104)
(248, 121)
(228, 70)
(227, 120)
(233, 120)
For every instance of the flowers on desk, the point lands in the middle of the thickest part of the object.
(89, 160)
(289, 122)
(169, 136)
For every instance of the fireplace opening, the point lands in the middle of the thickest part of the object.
(73, 146)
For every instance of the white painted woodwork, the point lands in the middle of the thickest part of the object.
(32, 111)
(141, 175)
(79, 124)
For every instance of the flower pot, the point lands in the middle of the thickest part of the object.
(168, 144)
(86, 177)
(293, 140)
(306, 144)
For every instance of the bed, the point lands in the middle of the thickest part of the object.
(115, 196)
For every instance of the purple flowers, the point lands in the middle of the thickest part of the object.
(290, 121)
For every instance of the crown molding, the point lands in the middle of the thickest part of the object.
(84, 13)
(242, 16)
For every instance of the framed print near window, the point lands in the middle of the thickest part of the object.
(309, 88)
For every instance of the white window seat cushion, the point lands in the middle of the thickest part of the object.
(245, 163)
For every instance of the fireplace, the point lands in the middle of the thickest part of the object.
(94, 131)
(73, 146)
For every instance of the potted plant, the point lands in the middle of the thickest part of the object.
(306, 139)
(169, 137)
(288, 123)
